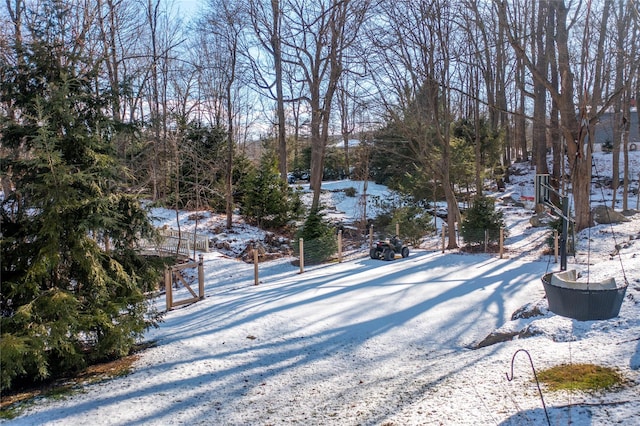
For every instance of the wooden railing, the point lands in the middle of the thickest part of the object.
(179, 242)
(174, 276)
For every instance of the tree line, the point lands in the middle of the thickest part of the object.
(297, 72)
(103, 101)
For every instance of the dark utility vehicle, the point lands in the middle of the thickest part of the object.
(386, 250)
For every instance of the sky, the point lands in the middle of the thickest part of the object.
(369, 342)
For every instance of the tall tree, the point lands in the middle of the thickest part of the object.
(418, 66)
(316, 36)
(66, 299)
(571, 97)
(267, 22)
(225, 21)
(539, 128)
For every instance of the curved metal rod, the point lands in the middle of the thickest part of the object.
(534, 375)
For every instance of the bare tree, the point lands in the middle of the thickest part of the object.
(267, 21)
(626, 22)
(417, 65)
(316, 38)
(541, 60)
(571, 97)
(225, 23)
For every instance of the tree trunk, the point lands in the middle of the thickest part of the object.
(539, 136)
(277, 62)
(574, 131)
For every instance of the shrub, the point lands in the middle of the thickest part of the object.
(414, 224)
(480, 218)
(267, 200)
(556, 225)
(319, 237)
(350, 192)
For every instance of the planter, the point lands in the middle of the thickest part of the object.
(581, 300)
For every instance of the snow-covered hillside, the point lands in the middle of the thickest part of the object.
(368, 342)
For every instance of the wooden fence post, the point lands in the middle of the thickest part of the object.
(443, 232)
(168, 287)
(371, 236)
(397, 229)
(486, 239)
(256, 279)
(501, 242)
(340, 246)
(301, 255)
(201, 277)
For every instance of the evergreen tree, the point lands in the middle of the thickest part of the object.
(72, 286)
(480, 218)
(267, 200)
(319, 238)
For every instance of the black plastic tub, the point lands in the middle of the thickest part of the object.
(580, 300)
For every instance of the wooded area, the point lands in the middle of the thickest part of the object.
(295, 74)
(103, 101)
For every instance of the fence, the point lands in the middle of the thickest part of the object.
(175, 275)
(178, 242)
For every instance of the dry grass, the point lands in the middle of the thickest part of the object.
(585, 377)
(12, 403)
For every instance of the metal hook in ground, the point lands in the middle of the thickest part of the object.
(534, 375)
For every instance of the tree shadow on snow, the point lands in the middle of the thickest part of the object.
(573, 415)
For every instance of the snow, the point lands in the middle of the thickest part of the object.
(368, 342)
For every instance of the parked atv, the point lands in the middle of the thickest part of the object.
(386, 250)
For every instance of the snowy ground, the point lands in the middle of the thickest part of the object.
(368, 342)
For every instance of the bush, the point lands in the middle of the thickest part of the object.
(482, 217)
(414, 224)
(350, 192)
(319, 236)
(267, 200)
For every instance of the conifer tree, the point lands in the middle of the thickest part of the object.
(482, 220)
(72, 286)
(268, 200)
(319, 237)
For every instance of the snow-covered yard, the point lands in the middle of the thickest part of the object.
(368, 342)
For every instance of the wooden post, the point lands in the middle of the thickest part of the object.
(168, 287)
(397, 229)
(256, 279)
(501, 242)
(340, 246)
(443, 226)
(486, 239)
(301, 255)
(201, 277)
(371, 236)
(555, 246)
(638, 198)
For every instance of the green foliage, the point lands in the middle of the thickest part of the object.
(267, 200)
(490, 142)
(390, 163)
(319, 236)
(462, 162)
(556, 225)
(481, 217)
(65, 300)
(584, 377)
(414, 223)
